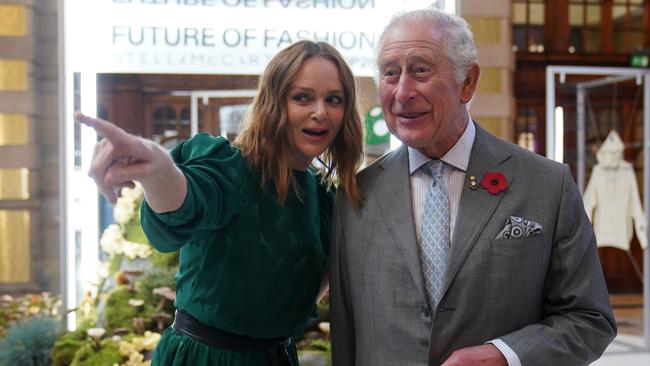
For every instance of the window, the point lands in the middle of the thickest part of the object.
(527, 122)
(581, 26)
(628, 27)
(528, 25)
(164, 124)
(585, 22)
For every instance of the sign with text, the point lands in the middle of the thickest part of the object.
(219, 36)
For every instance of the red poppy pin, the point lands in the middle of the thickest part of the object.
(494, 182)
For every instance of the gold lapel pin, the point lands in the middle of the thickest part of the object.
(473, 184)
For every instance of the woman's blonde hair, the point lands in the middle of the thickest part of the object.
(264, 141)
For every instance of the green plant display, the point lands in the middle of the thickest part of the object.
(13, 310)
(107, 355)
(29, 343)
(159, 277)
(64, 350)
(136, 283)
(65, 347)
(119, 313)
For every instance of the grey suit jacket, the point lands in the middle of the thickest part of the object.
(544, 295)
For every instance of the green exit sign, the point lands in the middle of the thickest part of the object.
(639, 61)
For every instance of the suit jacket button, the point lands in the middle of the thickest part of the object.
(424, 310)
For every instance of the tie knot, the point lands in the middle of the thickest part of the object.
(434, 168)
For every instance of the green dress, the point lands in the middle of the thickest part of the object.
(247, 265)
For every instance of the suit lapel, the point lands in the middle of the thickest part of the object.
(476, 205)
(394, 196)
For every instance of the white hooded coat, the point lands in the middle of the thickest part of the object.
(612, 198)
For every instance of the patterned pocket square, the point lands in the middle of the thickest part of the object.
(517, 227)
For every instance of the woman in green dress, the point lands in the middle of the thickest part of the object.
(251, 219)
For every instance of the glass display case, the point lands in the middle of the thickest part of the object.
(598, 122)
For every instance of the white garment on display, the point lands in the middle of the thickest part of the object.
(612, 198)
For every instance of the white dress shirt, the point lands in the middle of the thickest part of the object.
(453, 176)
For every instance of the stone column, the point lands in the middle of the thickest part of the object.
(29, 239)
(493, 105)
(49, 93)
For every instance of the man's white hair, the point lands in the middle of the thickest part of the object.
(458, 43)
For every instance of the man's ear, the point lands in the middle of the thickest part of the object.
(470, 83)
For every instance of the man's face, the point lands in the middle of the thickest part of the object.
(423, 104)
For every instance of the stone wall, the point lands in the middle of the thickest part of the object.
(29, 172)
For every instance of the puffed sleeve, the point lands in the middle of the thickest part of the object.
(216, 174)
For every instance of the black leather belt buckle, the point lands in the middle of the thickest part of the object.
(279, 354)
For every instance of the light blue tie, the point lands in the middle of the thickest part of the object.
(434, 238)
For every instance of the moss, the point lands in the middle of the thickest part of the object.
(66, 346)
(64, 351)
(165, 260)
(107, 355)
(118, 312)
(82, 326)
(157, 278)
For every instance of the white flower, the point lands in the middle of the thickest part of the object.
(135, 359)
(151, 340)
(123, 212)
(126, 348)
(111, 239)
(133, 250)
(133, 349)
(114, 243)
(128, 203)
(97, 276)
(134, 193)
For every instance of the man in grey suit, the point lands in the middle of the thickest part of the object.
(490, 262)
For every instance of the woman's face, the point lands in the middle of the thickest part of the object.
(316, 107)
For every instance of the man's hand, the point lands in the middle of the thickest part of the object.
(483, 355)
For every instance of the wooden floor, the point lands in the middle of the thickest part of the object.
(630, 347)
(628, 310)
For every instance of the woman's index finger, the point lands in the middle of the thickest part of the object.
(108, 130)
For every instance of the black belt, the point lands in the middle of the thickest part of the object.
(277, 349)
